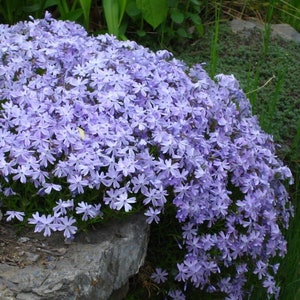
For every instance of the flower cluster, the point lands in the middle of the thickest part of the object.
(83, 113)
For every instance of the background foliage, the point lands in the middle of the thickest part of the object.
(166, 20)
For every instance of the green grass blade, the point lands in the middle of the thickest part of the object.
(122, 8)
(214, 49)
(111, 12)
(86, 8)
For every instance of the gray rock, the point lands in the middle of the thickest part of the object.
(33, 257)
(238, 25)
(97, 265)
(23, 239)
(285, 31)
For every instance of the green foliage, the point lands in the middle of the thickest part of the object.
(78, 10)
(12, 11)
(168, 18)
(153, 11)
(114, 11)
(289, 11)
(214, 47)
(86, 7)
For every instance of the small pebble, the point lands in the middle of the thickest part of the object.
(33, 257)
(23, 239)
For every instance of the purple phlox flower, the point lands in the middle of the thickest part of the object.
(44, 223)
(139, 183)
(275, 267)
(48, 187)
(97, 210)
(269, 284)
(182, 190)
(152, 214)
(168, 167)
(77, 183)
(261, 269)
(176, 295)
(46, 157)
(57, 218)
(21, 173)
(35, 220)
(86, 209)
(140, 88)
(155, 196)
(66, 226)
(199, 172)
(62, 206)
(14, 214)
(189, 231)
(8, 192)
(39, 177)
(113, 177)
(159, 275)
(126, 166)
(194, 244)
(111, 197)
(123, 201)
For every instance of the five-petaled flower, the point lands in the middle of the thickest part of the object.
(87, 210)
(14, 214)
(66, 225)
(159, 276)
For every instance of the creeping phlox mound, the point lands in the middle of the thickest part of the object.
(81, 113)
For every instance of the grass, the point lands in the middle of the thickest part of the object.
(268, 71)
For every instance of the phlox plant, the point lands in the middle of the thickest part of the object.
(90, 122)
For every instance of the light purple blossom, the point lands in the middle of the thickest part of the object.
(63, 206)
(97, 210)
(66, 225)
(123, 201)
(77, 184)
(14, 214)
(87, 210)
(35, 220)
(44, 223)
(152, 214)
